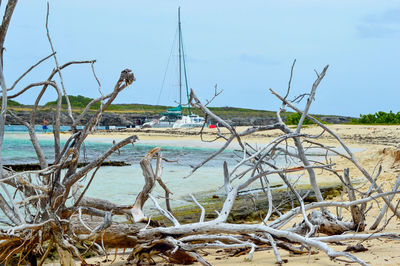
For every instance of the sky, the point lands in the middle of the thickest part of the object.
(246, 47)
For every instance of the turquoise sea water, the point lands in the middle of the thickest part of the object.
(17, 149)
(122, 184)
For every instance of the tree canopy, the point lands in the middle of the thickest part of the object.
(76, 101)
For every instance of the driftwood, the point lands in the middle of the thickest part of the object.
(115, 234)
(43, 218)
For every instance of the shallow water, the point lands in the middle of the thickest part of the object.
(122, 184)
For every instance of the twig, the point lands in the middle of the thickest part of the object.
(203, 212)
(385, 207)
(167, 214)
(29, 70)
(57, 65)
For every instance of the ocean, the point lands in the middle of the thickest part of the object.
(121, 184)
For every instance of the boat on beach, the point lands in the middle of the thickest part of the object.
(188, 121)
(175, 117)
(167, 119)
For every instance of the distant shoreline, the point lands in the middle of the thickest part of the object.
(132, 115)
(356, 135)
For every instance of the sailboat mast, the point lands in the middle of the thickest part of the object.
(180, 56)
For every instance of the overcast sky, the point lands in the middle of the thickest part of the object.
(246, 47)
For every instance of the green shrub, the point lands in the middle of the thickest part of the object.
(12, 103)
(76, 102)
(379, 118)
(293, 119)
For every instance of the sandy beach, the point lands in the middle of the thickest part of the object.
(374, 146)
(363, 136)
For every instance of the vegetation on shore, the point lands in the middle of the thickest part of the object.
(76, 102)
(378, 118)
(294, 118)
(80, 102)
(12, 103)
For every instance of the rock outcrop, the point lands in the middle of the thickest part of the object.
(107, 119)
(121, 119)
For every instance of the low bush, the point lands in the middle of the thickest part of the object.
(379, 118)
(293, 119)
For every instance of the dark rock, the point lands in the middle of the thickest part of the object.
(131, 119)
(356, 248)
(114, 119)
(36, 166)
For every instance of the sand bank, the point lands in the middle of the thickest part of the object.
(363, 136)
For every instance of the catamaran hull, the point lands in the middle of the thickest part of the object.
(189, 121)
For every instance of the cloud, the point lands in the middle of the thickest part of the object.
(257, 59)
(382, 25)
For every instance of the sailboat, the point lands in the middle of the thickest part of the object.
(174, 116)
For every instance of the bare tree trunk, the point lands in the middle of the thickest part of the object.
(356, 213)
(9, 10)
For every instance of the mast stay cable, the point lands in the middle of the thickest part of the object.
(166, 69)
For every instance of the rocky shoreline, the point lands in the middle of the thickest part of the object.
(36, 166)
(126, 119)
